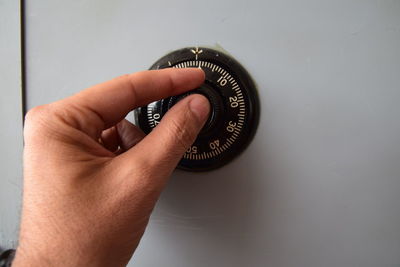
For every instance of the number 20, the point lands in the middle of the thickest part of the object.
(234, 101)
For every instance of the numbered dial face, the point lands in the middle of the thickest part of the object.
(234, 107)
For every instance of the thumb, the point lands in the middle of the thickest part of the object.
(165, 145)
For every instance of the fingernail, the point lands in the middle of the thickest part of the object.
(200, 106)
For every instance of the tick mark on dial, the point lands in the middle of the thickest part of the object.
(197, 52)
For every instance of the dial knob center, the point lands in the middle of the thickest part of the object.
(216, 106)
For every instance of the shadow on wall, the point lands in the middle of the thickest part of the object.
(216, 209)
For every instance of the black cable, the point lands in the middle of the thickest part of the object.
(6, 258)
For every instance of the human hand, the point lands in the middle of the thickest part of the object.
(87, 202)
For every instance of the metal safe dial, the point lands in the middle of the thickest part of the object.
(234, 107)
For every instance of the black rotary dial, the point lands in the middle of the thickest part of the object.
(234, 107)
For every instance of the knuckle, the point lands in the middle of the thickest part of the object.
(132, 86)
(38, 121)
(129, 80)
(182, 132)
(33, 125)
(35, 113)
(35, 118)
(170, 85)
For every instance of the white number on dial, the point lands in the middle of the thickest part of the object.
(214, 144)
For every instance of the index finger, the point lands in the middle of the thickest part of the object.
(106, 104)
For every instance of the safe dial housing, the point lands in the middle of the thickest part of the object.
(234, 113)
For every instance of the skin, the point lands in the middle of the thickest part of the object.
(91, 178)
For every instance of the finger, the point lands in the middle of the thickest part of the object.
(103, 105)
(110, 139)
(129, 135)
(165, 145)
(121, 137)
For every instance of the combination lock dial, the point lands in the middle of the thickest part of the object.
(234, 107)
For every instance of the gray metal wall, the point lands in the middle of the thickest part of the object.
(319, 185)
(10, 123)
